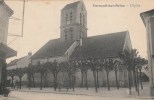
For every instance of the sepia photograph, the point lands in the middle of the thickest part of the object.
(76, 49)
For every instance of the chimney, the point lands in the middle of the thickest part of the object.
(30, 53)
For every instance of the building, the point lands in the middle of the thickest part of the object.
(74, 44)
(148, 20)
(22, 62)
(5, 51)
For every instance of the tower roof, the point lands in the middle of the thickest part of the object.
(71, 5)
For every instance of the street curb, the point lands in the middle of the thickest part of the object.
(69, 93)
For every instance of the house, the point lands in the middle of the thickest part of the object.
(22, 62)
(5, 51)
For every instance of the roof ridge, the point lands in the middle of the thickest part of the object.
(70, 4)
(108, 34)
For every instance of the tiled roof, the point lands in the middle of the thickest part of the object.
(53, 48)
(100, 46)
(71, 5)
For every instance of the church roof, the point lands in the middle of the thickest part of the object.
(100, 46)
(71, 5)
(53, 48)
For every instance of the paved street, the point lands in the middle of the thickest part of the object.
(18, 95)
(78, 94)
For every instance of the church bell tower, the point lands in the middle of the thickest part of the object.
(73, 21)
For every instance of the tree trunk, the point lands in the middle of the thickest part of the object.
(138, 84)
(141, 80)
(41, 81)
(86, 80)
(97, 81)
(129, 82)
(94, 74)
(33, 80)
(70, 81)
(12, 76)
(73, 82)
(55, 82)
(82, 79)
(20, 80)
(134, 76)
(102, 79)
(116, 79)
(108, 84)
(29, 81)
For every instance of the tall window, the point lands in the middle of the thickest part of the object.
(71, 33)
(83, 20)
(71, 17)
(80, 34)
(82, 7)
(80, 18)
(65, 34)
(66, 18)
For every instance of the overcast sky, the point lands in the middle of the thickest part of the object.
(42, 22)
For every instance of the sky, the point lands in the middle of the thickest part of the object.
(42, 22)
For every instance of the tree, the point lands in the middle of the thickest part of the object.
(141, 62)
(86, 68)
(129, 60)
(116, 68)
(11, 73)
(94, 69)
(81, 64)
(102, 67)
(71, 69)
(109, 65)
(41, 69)
(54, 68)
(20, 72)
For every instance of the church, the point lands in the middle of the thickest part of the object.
(74, 43)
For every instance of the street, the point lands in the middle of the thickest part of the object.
(18, 95)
